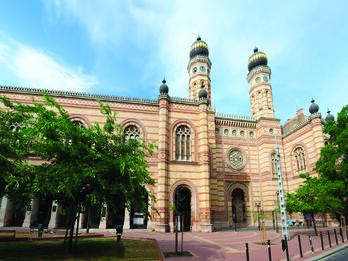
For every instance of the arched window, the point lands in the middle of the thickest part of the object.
(16, 126)
(299, 157)
(274, 165)
(183, 143)
(132, 132)
(78, 123)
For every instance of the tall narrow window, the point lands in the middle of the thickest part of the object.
(299, 158)
(132, 132)
(274, 165)
(267, 105)
(260, 101)
(183, 143)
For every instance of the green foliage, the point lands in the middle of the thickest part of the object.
(315, 196)
(79, 166)
(333, 161)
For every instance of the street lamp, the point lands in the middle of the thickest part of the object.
(258, 205)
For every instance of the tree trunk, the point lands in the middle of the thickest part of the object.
(67, 229)
(72, 225)
(315, 225)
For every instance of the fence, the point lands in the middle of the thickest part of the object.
(302, 243)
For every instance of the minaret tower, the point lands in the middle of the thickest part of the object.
(199, 69)
(259, 80)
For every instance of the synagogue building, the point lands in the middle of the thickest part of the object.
(217, 169)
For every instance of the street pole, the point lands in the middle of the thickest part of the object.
(284, 215)
(258, 205)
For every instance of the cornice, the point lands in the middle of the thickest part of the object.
(302, 124)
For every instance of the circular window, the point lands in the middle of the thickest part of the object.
(194, 70)
(258, 79)
(237, 159)
(251, 134)
(226, 132)
(217, 131)
(242, 133)
(234, 133)
(271, 131)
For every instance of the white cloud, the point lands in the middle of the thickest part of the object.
(231, 28)
(34, 68)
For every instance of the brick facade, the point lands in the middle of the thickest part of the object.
(223, 161)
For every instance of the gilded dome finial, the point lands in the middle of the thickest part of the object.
(257, 59)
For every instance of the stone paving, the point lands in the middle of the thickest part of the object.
(230, 245)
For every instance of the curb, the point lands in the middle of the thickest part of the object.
(328, 253)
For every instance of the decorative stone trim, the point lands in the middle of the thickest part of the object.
(302, 124)
(27, 91)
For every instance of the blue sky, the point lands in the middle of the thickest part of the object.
(124, 48)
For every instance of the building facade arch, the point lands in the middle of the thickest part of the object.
(186, 151)
(245, 203)
(80, 118)
(299, 159)
(184, 183)
(136, 122)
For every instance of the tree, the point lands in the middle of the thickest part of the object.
(333, 160)
(313, 197)
(14, 152)
(80, 166)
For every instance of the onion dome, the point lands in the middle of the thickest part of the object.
(164, 87)
(329, 116)
(314, 108)
(199, 47)
(258, 58)
(203, 94)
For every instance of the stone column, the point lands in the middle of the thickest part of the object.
(102, 224)
(53, 218)
(28, 213)
(3, 207)
(126, 219)
(162, 221)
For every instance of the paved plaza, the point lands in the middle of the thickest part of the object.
(230, 245)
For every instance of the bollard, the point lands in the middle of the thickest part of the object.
(40, 230)
(341, 233)
(247, 251)
(269, 250)
(336, 236)
(321, 240)
(286, 249)
(328, 236)
(119, 231)
(300, 246)
(311, 244)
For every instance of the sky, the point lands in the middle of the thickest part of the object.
(125, 48)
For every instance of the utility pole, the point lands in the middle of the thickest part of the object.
(284, 215)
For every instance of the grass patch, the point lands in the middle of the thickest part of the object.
(86, 249)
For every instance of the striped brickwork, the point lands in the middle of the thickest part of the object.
(208, 175)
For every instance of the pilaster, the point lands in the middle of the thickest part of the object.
(204, 192)
(162, 220)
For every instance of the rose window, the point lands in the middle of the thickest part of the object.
(237, 159)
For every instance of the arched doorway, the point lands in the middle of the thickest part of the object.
(182, 201)
(238, 206)
(44, 213)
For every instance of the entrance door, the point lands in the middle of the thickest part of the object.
(238, 206)
(183, 205)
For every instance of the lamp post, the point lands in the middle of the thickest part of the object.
(258, 205)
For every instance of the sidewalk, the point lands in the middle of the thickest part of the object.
(230, 245)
